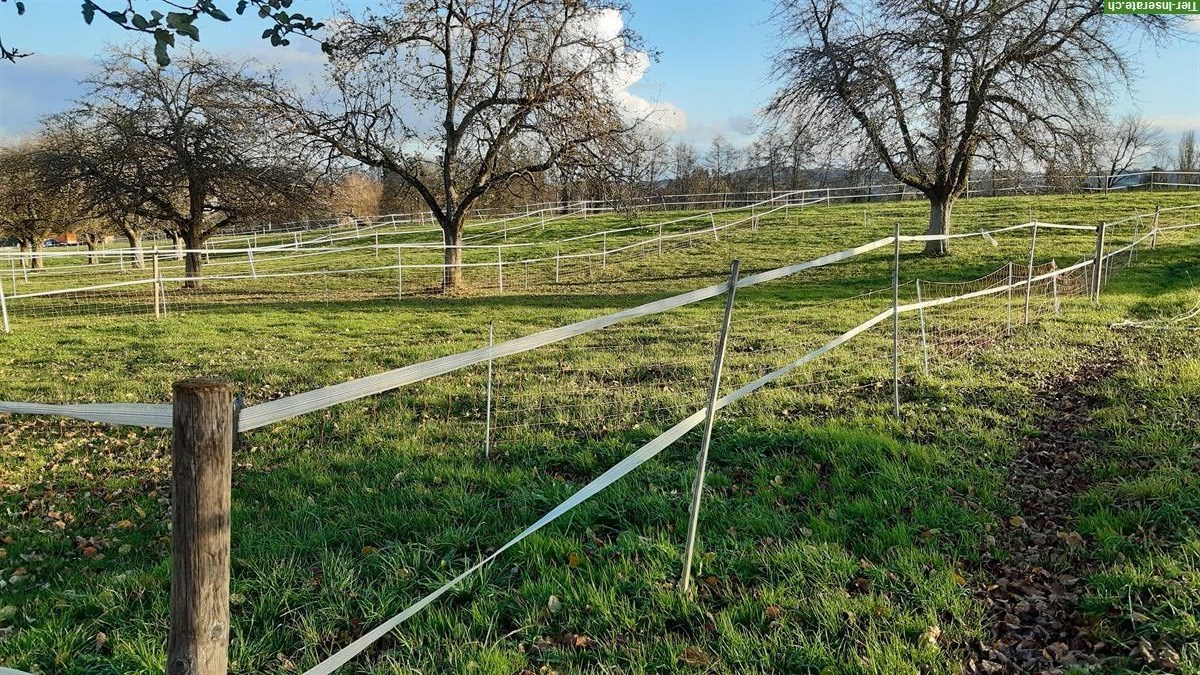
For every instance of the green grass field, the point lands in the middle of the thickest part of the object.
(834, 538)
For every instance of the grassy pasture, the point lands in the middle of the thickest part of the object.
(834, 538)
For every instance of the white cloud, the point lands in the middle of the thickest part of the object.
(662, 116)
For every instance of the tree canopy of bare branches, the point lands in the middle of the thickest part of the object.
(458, 98)
(935, 84)
(1185, 154)
(35, 201)
(181, 146)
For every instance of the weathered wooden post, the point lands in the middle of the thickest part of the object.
(204, 422)
(702, 459)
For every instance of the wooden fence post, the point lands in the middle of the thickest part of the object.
(204, 422)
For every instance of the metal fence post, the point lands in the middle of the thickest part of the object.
(1137, 229)
(1098, 262)
(157, 288)
(557, 262)
(1029, 273)
(702, 458)
(500, 267)
(924, 339)
(3, 308)
(713, 219)
(399, 274)
(205, 423)
(896, 322)
(1054, 286)
(1008, 330)
(1154, 229)
(604, 250)
(487, 428)
(253, 269)
(660, 239)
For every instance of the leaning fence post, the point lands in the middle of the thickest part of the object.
(713, 219)
(924, 340)
(3, 308)
(896, 322)
(1137, 229)
(1054, 285)
(1008, 329)
(1029, 272)
(487, 428)
(157, 288)
(253, 269)
(702, 459)
(1098, 262)
(204, 423)
(1154, 229)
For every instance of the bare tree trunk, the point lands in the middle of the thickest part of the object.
(452, 237)
(36, 261)
(135, 244)
(192, 260)
(26, 248)
(939, 224)
(91, 247)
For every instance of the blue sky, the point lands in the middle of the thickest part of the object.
(714, 65)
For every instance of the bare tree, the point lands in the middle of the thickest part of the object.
(356, 194)
(1185, 156)
(27, 199)
(933, 85)
(684, 163)
(458, 98)
(720, 161)
(182, 146)
(1118, 147)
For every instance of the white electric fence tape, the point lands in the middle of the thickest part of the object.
(636, 459)
(254, 417)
